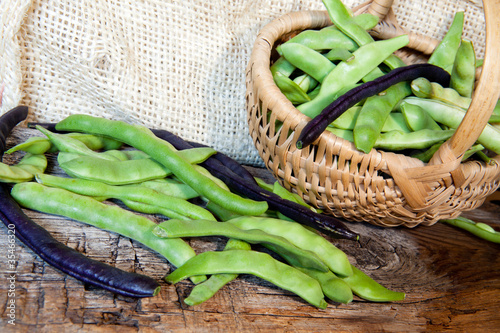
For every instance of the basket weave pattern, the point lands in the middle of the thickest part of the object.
(382, 188)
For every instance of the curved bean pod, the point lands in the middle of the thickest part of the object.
(374, 113)
(128, 192)
(201, 228)
(23, 171)
(143, 139)
(256, 263)
(107, 217)
(71, 145)
(205, 290)
(333, 287)
(316, 126)
(463, 73)
(480, 230)
(334, 258)
(365, 287)
(445, 53)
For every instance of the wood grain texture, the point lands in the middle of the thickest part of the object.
(451, 278)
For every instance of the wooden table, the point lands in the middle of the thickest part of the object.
(451, 278)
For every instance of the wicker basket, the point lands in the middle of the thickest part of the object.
(382, 188)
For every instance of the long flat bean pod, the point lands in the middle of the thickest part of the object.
(452, 116)
(55, 253)
(205, 290)
(129, 192)
(445, 53)
(334, 258)
(256, 263)
(374, 113)
(463, 73)
(316, 126)
(365, 287)
(85, 209)
(478, 229)
(200, 228)
(333, 287)
(143, 139)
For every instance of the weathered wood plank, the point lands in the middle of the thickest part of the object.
(451, 278)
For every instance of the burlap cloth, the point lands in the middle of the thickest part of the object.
(176, 65)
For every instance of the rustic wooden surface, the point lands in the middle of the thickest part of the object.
(451, 278)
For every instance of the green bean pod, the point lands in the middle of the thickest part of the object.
(202, 228)
(68, 144)
(324, 39)
(295, 233)
(478, 229)
(452, 116)
(292, 91)
(463, 74)
(416, 118)
(205, 290)
(334, 288)
(108, 217)
(423, 88)
(446, 51)
(365, 287)
(127, 192)
(331, 37)
(121, 172)
(374, 113)
(24, 170)
(40, 145)
(255, 263)
(421, 139)
(348, 24)
(308, 60)
(143, 139)
(34, 145)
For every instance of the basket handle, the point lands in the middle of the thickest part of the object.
(380, 8)
(484, 101)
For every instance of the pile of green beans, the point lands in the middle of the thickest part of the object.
(321, 79)
(99, 188)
